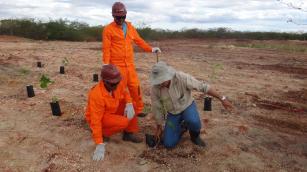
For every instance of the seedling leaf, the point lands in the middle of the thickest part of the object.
(44, 81)
(54, 99)
(65, 61)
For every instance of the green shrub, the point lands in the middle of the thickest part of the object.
(281, 47)
(62, 29)
(53, 30)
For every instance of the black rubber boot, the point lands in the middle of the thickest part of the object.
(184, 127)
(141, 115)
(195, 138)
(106, 139)
(131, 137)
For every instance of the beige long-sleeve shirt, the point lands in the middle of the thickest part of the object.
(177, 97)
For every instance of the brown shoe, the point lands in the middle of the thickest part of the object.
(131, 137)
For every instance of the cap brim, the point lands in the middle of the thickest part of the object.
(160, 80)
(114, 81)
(119, 14)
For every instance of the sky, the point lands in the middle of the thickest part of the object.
(240, 15)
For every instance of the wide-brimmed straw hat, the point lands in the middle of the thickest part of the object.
(160, 73)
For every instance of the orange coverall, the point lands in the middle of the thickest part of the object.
(104, 112)
(118, 50)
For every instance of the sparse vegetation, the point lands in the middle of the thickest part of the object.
(282, 47)
(53, 30)
(219, 33)
(62, 29)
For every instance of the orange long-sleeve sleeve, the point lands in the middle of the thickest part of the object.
(106, 46)
(127, 96)
(139, 41)
(94, 114)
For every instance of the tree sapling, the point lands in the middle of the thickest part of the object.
(45, 81)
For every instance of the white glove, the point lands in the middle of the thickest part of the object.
(129, 111)
(156, 50)
(99, 152)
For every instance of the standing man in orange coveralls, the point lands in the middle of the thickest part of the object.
(110, 110)
(117, 38)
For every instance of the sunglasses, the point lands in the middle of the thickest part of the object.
(119, 17)
(111, 84)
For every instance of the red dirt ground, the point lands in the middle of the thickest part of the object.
(266, 132)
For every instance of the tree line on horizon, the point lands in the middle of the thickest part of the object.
(62, 29)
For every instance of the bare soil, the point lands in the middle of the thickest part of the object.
(266, 132)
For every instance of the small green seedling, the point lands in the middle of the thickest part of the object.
(54, 99)
(24, 71)
(147, 108)
(44, 81)
(215, 69)
(65, 61)
(163, 110)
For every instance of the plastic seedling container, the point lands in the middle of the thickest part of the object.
(150, 140)
(95, 77)
(62, 70)
(207, 103)
(39, 64)
(30, 91)
(55, 107)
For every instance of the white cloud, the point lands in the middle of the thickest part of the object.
(264, 15)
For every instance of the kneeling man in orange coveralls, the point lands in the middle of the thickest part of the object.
(110, 110)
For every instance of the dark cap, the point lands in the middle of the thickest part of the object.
(119, 9)
(110, 73)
